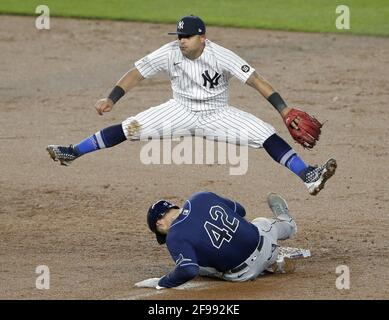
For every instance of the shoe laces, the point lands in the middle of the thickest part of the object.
(279, 209)
(66, 153)
(313, 174)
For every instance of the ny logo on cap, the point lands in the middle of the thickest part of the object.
(180, 25)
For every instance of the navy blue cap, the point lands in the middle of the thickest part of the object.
(189, 26)
(156, 212)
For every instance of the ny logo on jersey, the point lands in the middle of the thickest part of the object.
(181, 25)
(212, 81)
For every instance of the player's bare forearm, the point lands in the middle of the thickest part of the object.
(265, 89)
(126, 83)
(130, 79)
(260, 84)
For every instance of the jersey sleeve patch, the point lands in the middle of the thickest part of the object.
(245, 68)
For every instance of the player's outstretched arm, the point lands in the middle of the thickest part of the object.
(172, 280)
(267, 91)
(130, 80)
(125, 84)
(304, 128)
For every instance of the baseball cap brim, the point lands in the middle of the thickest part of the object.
(179, 33)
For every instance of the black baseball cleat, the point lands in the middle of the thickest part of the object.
(65, 155)
(316, 177)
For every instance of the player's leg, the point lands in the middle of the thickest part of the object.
(283, 226)
(164, 120)
(235, 126)
(276, 229)
(314, 177)
(105, 138)
(271, 230)
(262, 258)
(244, 127)
(241, 126)
(167, 120)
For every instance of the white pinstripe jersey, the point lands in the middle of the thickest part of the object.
(200, 84)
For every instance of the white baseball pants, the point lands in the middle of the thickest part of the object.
(272, 230)
(171, 120)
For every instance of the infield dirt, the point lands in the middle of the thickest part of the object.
(86, 222)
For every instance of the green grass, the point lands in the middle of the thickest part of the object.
(366, 17)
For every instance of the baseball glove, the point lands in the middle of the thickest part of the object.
(304, 128)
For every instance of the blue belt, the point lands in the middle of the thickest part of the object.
(244, 264)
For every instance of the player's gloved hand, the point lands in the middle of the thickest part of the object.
(104, 105)
(304, 128)
(149, 283)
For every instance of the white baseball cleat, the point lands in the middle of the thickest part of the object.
(316, 177)
(277, 205)
(65, 155)
(280, 209)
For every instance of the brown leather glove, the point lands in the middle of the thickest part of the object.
(304, 128)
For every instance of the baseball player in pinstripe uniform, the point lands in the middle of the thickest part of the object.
(199, 71)
(209, 236)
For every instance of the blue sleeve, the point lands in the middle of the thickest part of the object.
(234, 205)
(186, 264)
(179, 276)
(239, 209)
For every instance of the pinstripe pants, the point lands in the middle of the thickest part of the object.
(171, 120)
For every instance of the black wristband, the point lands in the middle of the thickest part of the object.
(277, 102)
(116, 93)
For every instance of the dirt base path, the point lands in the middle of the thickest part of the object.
(86, 222)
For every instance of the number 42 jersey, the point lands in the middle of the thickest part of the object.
(209, 232)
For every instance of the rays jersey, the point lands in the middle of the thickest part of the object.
(209, 232)
(200, 84)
